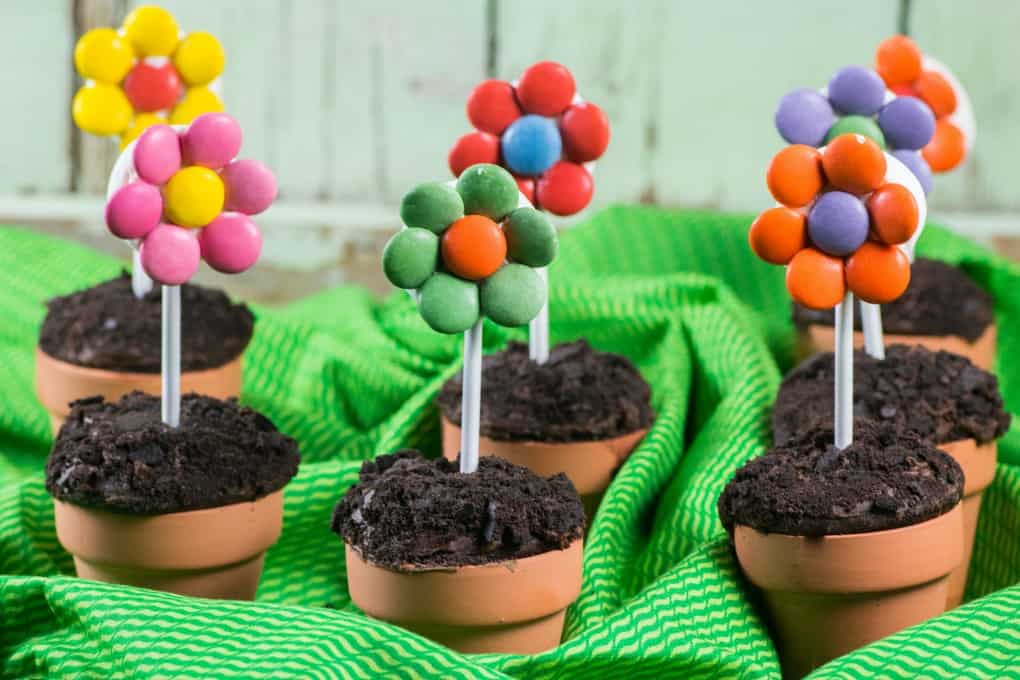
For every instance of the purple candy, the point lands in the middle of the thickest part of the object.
(907, 123)
(804, 116)
(856, 90)
(917, 165)
(838, 223)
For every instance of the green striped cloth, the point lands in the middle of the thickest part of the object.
(350, 377)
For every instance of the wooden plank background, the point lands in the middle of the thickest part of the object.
(352, 102)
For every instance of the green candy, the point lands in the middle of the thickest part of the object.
(487, 190)
(513, 296)
(410, 257)
(433, 206)
(530, 237)
(858, 125)
(448, 304)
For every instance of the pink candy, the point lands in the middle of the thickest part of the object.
(231, 243)
(212, 140)
(134, 210)
(251, 187)
(170, 254)
(157, 154)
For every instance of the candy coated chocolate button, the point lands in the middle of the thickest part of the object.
(487, 190)
(778, 234)
(815, 280)
(448, 304)
(795, 175)
(804, 117)
(838, 223)
(878, 273)
(531, 238)
(433, 206)
(513, 296)
(854, 163)
(410, 257)
(857, 125)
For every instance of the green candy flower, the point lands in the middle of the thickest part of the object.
(469, 251)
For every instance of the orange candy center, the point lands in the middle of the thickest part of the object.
(777, 234)
(893, 212)
(878, 273)
(474, 247)
(937, 93)
(795, 175)
(854, 163)
(815, 280)
(898, 60)
(947, 147)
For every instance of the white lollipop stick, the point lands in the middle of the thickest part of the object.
(843, 420)
(123, 173)
(471, 399)
(538, 328)
(170, 365)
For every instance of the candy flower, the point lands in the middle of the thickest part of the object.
(840, 222)
(191, 200)
(906, 71)
(469, 249)
(539, 129)
(144, 74)
(856, 101)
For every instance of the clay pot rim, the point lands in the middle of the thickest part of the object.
(979, 462)
(508, 564)
(891, 338)
(642, 431)
(790, 562)
(104, 373)
(149, 541)
(496, 594)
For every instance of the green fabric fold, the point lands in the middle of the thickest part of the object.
(350, 377)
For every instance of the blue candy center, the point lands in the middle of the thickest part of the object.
(531, 145)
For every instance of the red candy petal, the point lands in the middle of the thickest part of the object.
(566, 188)
(526, 185)
(585, 131)
(492, 106)
(474, 147)
(546, 88)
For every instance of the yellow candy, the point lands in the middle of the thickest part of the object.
(101, 109)
(138, 126)
(103, 56)
(193, 197)
(196, 101)
(152, 31)
(199, 58)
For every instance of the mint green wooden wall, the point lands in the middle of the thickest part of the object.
(352, 101)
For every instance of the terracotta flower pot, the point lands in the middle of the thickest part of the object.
(513, 607)
(981, 352)
(978, 463)
(829, 595)
(589, 465)
(215, 553)
(58, 383)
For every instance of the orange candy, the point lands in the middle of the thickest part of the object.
(777, 234)
(893, 212)
(878, 273)
(947, 147)
(937, 93)
(474, 247)
(898, 60)
(795, 175)
(815, 279)
(854, 163)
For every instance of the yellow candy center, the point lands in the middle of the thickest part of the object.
(193, 197)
